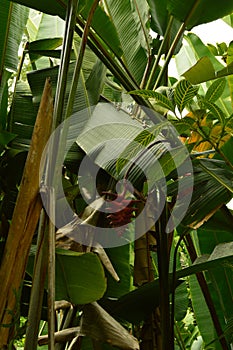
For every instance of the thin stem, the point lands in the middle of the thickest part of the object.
(179, 337)
(163, 267)
(174, 279)
(65, 60)
(160, 52)
(79, 61)
(116, 69)
(169, 55)
(175, 42)
(51, 271)
(37, 291)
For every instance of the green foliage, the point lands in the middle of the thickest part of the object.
(160, 99)
(184, 93)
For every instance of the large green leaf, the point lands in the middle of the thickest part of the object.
(12, 27)
(101, 22)
(159, 16)
(43, 45)
(202, 314)
(221, 278)
(23, 111)
(46, 26)
(79, 277)
(138, 304)
(21, 123)
(196, 12)
(120, 258)
(104, 27)
(125, 18)
(51, 7)
(203, 71)
(107, 133)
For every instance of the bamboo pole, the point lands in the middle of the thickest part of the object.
(24, 220)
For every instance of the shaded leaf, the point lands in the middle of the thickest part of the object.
(12, 26)
(43, 45)
(196, 12)
(215, 110)
(138, 304)
(76, 274)
(100, 326)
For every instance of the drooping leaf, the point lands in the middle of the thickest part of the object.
(201, 312)
(184, 93)
(208, 194)
(43, 45)
(80, 277)
(221, 278)
(120, 258)
(199, 11)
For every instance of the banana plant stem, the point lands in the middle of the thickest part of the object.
(169, 55)
(160, 52)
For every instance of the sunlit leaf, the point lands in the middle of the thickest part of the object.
(160, 99)
(184, 93)
(139, 144)
(202, 71)
(215, 90)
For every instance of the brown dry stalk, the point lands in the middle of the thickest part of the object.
(25, 217)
